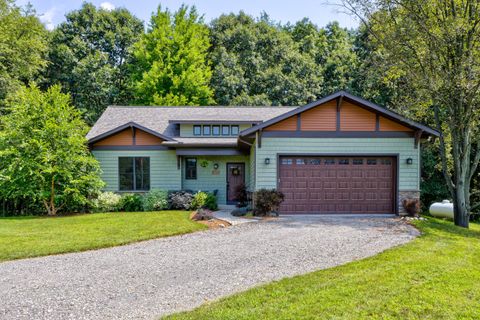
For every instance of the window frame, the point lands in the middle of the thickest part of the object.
(134, 175)
(199, 127)
(237, 127)
(219, 130)
(228, 130)
(209, 130)
(187, 177)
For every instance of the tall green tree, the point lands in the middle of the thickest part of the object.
(170, 65)
(23, 47)
(256, 62)
(43, 151)
(436, 46)
(89, 57)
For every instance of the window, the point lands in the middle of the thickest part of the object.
(206, 130)
(357, 161)
(225, 130)
(287, 161)
(343, 161)
(300, 161)
(386, 162)
(197, 130)
(216, 130)
(329, 161)
(315, 162)
(371, 162)
(191, 168)
(134, 173)
(234, 130)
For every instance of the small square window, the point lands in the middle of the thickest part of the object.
(300, 161)
(216, 130)
(287, 161)
(386, 162)
(329, 161)
(315, 162)
(206, 130)
(357, 161)
(234, 130)
(343, 161)
(197, 130)
(371, 162)
(225, 130)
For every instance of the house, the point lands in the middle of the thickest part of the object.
(340, 154)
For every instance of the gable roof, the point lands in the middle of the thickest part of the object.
(343, 94)
(161, 120)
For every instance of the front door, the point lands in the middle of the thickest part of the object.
(235, 178)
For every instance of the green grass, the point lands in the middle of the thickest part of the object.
(23, 237)
(436, 276)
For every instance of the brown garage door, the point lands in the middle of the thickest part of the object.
(337, 184)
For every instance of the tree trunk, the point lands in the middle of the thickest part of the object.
(460, 210)
(50, 204)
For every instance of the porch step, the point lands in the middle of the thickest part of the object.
(226, 207)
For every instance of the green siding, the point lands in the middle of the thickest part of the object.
(186, 130)
(163, 168)
(409, 175)
(207, 181)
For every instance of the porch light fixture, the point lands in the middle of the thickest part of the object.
(215, 166)
(267, 161)
(409, 160)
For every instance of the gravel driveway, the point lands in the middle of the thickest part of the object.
(157, 277)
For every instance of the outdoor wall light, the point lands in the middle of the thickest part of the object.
(267, 160)
(409, 160)
(215, 166)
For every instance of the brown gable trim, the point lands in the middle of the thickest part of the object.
(203, 121)
(342, 95)
(338, 134)
(125, 126)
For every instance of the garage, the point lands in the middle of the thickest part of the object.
(329, 185)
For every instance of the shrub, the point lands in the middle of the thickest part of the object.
(199, 199)
(204, 199)
(211, 202)
(412, 206)
(131, 202)
(241, 195)
(267, 201)
(181, 200)
(155, 200)
(107, 202)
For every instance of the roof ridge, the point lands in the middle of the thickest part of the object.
(201, 107)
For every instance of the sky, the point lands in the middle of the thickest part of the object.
(52, 12)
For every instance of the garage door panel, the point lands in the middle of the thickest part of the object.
(337, 184)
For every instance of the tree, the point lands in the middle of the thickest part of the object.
(23, 46)
(43, 151)
(89, 57)
(170, 65)
(256, 62)
(436, 46)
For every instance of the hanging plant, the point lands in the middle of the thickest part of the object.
(204, 163)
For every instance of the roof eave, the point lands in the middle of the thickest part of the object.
(125, 126)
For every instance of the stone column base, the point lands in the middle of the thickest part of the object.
(406, 194)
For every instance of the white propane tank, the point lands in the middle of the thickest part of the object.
(442, 209)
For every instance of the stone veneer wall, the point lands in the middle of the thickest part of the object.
(410, 194)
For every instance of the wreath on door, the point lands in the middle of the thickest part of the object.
(235, 171)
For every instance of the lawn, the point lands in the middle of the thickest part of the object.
(436, 276)
(23, 237)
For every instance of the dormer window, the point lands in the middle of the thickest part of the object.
(206, 130)
(197, 130)
(216, 130)
(225, 130)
